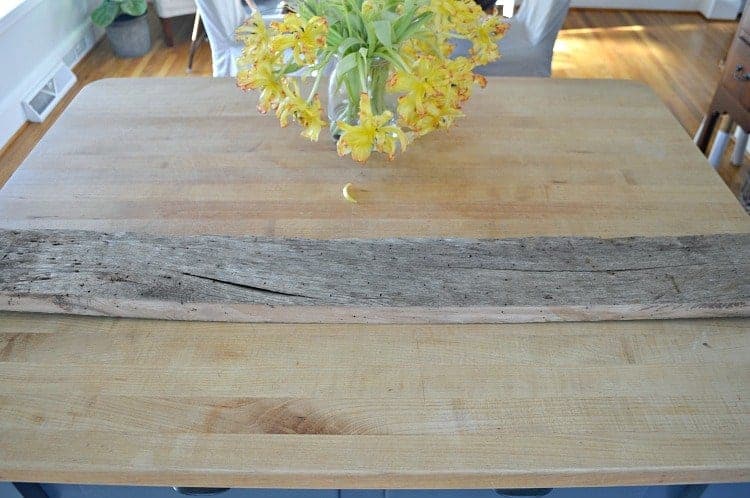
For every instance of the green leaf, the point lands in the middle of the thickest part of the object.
(416, 24)
(357, 23)
(134, 8)
(347, 44)
(383, 32)
(400, 25)
(407, 18)
(389, 16)
(333, 39)
(393, 58)
(105, 13)
(291, 68)
(346, 64)
(371, 36)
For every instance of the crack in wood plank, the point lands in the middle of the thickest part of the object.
(245, 286)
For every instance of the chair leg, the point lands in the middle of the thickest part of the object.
(699, 132)
(524, 492)
(195, 41)
(720, 142)
(706, 130)
(693, 491)
(168, 30)
(199, 491)
(740, 146)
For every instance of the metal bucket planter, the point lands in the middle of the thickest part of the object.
(129, 36)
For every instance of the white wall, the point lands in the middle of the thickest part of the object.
(33, 40)
(712, 9)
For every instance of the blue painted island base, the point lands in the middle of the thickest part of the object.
(9, 490)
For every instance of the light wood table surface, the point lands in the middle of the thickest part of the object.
(103, 400)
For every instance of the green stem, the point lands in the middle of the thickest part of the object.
(352, 108)
(315, 86)
(362, 76)
(379, 72)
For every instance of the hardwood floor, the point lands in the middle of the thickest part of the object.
(677, 54)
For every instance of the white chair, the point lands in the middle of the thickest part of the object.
(722, 141)
(527, 46)
(507, 7)
(740, 146)
(166, 10)
(220, 19)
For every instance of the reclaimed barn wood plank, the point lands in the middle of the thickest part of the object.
(374, 280)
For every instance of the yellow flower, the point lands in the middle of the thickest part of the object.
(457, 16)
(431, 85)
(372, 132)
(433, 92)
(368, 7)
(310, 119)
(307, 114)
(462, 19)
(462, 78)
(425, 118)
(262, 76)
(425, 79)
(253, 32)
(431, 44)
(484, 39)
(304, 38)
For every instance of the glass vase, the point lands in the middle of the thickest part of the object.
(344, 92)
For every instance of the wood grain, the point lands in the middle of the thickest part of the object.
(260, 279)
(292, 405)
(567, 158)
(105, 400)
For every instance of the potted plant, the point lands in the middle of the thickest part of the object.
(126, 25)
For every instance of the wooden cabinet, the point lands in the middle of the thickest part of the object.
(736, 77)
(733, 94)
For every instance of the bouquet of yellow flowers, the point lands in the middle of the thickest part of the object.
(389, 63)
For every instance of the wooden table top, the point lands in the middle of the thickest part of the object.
(532, 157)
(103, 400)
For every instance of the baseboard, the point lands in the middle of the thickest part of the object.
(720, 9)
(70, 51)
(668, 5)
(711, 9)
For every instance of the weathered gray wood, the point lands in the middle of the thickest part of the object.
(387, 280)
